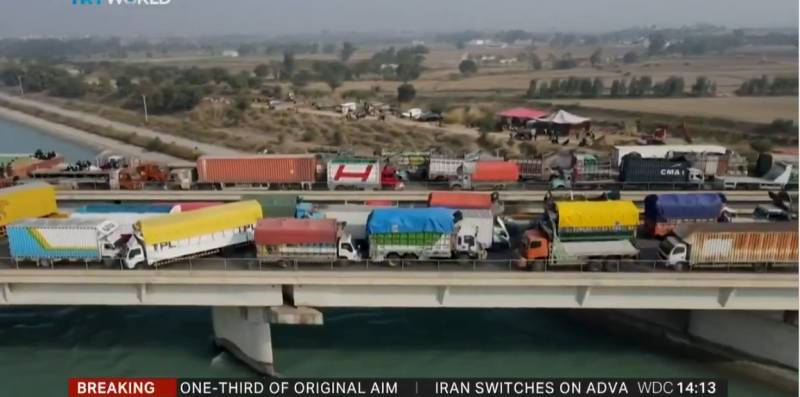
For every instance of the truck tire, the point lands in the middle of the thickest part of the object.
(594, 266)
(284, 263)
(537, 266)
(410, 259)
(44, 263)
(393, 260)
(759, 267)
(681, 266)
(612, 265)
(456, 187)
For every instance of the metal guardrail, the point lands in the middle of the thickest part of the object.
(467, 265)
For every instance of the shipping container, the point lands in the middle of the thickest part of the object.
(23, 167)
(171, 237)
(759, 245)
(662, 212)
(354, 173)
(286, 240)
(194, 206)
(163, 208)
(662, 151)
(655, 171)
(493, 171)
(48, 240)
(32, 200)
(589, 220)
(461, 200)
(266, 170)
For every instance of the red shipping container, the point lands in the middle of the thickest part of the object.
(194, 206)
(495, 171)
(23, 167)
(257, 169)
(455, 200)
(277, 231)
(380, 203)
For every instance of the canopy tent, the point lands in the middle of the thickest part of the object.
(523, 113)
(563, 117)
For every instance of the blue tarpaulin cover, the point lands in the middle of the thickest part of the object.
(126, 208)
(410, 220)
(661, 207)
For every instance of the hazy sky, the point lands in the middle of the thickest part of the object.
(211, 17)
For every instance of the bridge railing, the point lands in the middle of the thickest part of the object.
(399, 265)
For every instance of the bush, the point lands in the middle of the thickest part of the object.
(761, 145)
(154, 145)
(310, 136)
(406, 92)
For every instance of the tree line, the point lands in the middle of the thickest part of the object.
(763, 86)
(636, 87)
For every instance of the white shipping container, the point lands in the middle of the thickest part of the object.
(661, 151)
(354, 174)
(445, 168)
(478, 223)
(354, 217)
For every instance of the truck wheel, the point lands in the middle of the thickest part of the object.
(537, 266)
(410, 259)
(760, 267)
(612, 265)
(456, 187)
(44, 263)
(284, 263)
(680, 266)
(594, 266)
(393, 260)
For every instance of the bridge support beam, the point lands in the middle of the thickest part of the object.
(246, 332)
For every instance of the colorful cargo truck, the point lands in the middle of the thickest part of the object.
(597, 234)
(46, 241)
(486, 175)
(287, 240)
(662, 212)
(172, 237)
(756, 245)
(397, 234)
(32, 200)
(362, 174)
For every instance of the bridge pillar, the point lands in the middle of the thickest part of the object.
(245, 331)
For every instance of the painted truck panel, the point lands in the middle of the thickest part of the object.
(277, 231)
(257, 169)
(530, 168)
(459, 200)
(362, 174)
(58, 238)
(124, 221)
(126, 208)
(441, 168)
(33, 200)
(495, 171)
(740, 243)
(206, 221)
(597, 214)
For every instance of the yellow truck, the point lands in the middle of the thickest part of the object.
(32, 200)
(167, 238)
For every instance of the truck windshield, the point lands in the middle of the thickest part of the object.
(666, 246)
(134, 253)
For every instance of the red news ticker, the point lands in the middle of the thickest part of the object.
(123, 387)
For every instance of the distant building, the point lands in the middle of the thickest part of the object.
(417, 42)
(389, 66)
(230, 53)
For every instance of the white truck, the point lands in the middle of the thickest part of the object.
(173, 237)
(288, 240)
(352, 217)
(362, 174)
(46, 241)
(490, 230)
(775, 179)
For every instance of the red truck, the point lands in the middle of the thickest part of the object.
(486, 175)
(264, 170)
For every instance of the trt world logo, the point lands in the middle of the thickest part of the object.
(121, 2)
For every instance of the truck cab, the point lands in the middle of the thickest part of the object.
(500, 236)
(390, 179)
(346, 249)
(133, 254)
(534, 248)
(674, 252)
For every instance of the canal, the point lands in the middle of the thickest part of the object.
(41, 347)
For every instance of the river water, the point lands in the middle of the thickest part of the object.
(41, 347)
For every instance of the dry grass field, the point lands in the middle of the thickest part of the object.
(750, 109)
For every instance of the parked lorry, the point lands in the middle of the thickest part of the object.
(397, 234)
(480, 208)
(597, 234)
(172, 237)
(663, 151)
(662, 212)
(636, 170)
(128, 208)
(46, 241)
(486, 175)
(756, 245)
(777, 178)
(362, 174)
(352, 217)
(490, 230)
(463, 200)
(262, 170)
(287, 240)
(30, 200)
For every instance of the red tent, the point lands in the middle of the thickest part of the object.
(524, 113)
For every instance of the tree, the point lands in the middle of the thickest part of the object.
(566, 62)
(288, 65)
(617, 88)
(597, 88)
(630, 57)
(333, 74)
(262, 70)
(301, 79)
(532, 89)
(468, 67)
(328, 48)
(408, 71)
(348, 49)
(124, 86)
(701, 87)
(597, 57)
(69, 87)
(535, 62)
(247, 49)
(406, 92)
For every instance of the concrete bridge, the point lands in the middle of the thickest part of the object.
(244, 303)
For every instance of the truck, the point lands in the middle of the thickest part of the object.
(128, 208)
(46, 241)
(286, 240)
(639, 171)
(168, 238)
(663, 151)
(362, 174)
(490, 230)
(597, 234)
(463, 200)
(486, 175)
(123, 220)
(30, 200)
(777, 178)
(482, 207)
(722, 245)
(260, 170)
(352, 217)
(662, 212)
(412, 234)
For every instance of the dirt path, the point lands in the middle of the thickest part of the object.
(447, 128)
(146, 132)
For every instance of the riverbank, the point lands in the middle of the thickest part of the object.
(83, 137)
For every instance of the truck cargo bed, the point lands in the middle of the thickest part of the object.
(588, 249)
